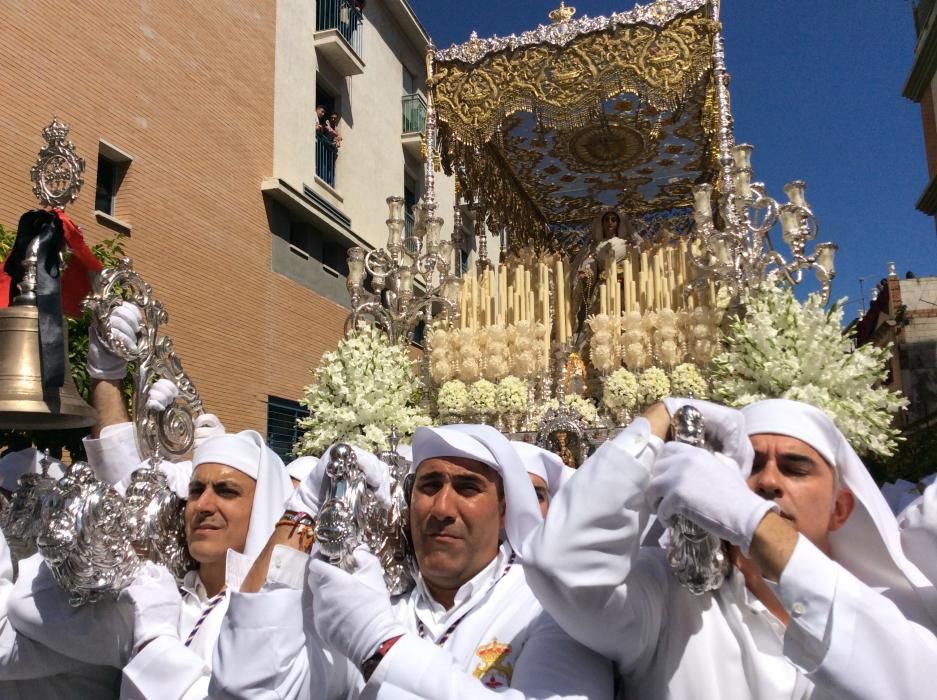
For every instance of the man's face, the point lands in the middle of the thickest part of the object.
(456, 515)
(333, 120)
(320, 112)
(217, 512)
(543, 493)
(791, 473)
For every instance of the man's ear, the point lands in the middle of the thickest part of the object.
(502, 509)
(843, 506)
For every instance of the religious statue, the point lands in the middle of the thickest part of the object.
(613, 235)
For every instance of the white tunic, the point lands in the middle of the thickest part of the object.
(495, 639)
(164, 668)
(586, 566)
(31, 671)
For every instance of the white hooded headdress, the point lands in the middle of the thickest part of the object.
(869, 544)
(484, 444)
(545, 464)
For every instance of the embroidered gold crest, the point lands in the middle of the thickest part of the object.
(493, 670)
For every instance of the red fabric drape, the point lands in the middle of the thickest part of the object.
(76, 280)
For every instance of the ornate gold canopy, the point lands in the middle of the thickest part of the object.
(548, 128)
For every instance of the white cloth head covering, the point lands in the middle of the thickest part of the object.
(247, 452)
(545, 464)
(484, 444)
(300, 467)
(869, 544)
(15, 464)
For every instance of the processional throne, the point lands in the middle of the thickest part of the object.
(543, 132)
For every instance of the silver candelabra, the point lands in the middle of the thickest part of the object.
(741, 253)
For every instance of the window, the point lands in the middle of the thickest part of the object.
(282, 431)
(335, 257)
(112, 168)
(409, 201)
(105, 195)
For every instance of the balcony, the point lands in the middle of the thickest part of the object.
(339, 36)
(326, 155)
(414, 117)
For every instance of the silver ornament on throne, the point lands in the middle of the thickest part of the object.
(698, 558)
(96, 540)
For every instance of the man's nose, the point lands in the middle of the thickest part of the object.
(206, 502)
(766, 482)
(444, 503)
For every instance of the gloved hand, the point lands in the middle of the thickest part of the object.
(156, 605)
(125, 324)
(312, 492)
(207, 425)
(162, 394)
(725, 426)
(352, 612)
(708, 491)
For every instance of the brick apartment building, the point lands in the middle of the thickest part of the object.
(197, 123)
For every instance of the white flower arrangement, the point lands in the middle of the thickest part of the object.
(360, 390)
(511, 395)
(687, 380)
(621, 389)
(482, 397)
(785, 349)
(452, 398)
(585, 408)
(653, 385)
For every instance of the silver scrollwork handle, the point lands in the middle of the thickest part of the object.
(697, 558)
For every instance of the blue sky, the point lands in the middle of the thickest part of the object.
(816, 88)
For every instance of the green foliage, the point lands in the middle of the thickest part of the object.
(109, 252)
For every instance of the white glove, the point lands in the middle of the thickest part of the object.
(125, 324)
(352, 612)
(312, 492)
(156, 605)
(725, 426)
(162, 394)
(207, 425)
(708, 491)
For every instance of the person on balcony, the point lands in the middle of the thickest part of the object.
(330, 126)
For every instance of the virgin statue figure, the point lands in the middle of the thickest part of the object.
(613, 235)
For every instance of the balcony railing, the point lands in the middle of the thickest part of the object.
(326, 153)
(414, 113)
(343, 16)
(409, 242)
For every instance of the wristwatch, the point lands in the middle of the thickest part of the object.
(370, 664)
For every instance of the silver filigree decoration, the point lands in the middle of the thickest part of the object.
(57, 175)
(156, 521)
(697, 558)
(656, 14)
(352, 515)
(21, 519)
(394, 550)
(98, 539)
(85, 537)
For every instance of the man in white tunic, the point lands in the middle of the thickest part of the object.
(821, 601)
(237, 490)
(470, 628)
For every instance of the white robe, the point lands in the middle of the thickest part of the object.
(586, 565)
(31, 671)
(504, 643)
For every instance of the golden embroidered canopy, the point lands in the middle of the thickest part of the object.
(549, 128)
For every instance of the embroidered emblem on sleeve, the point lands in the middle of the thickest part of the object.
(493, 669)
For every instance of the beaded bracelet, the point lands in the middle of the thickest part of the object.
(302, 525)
